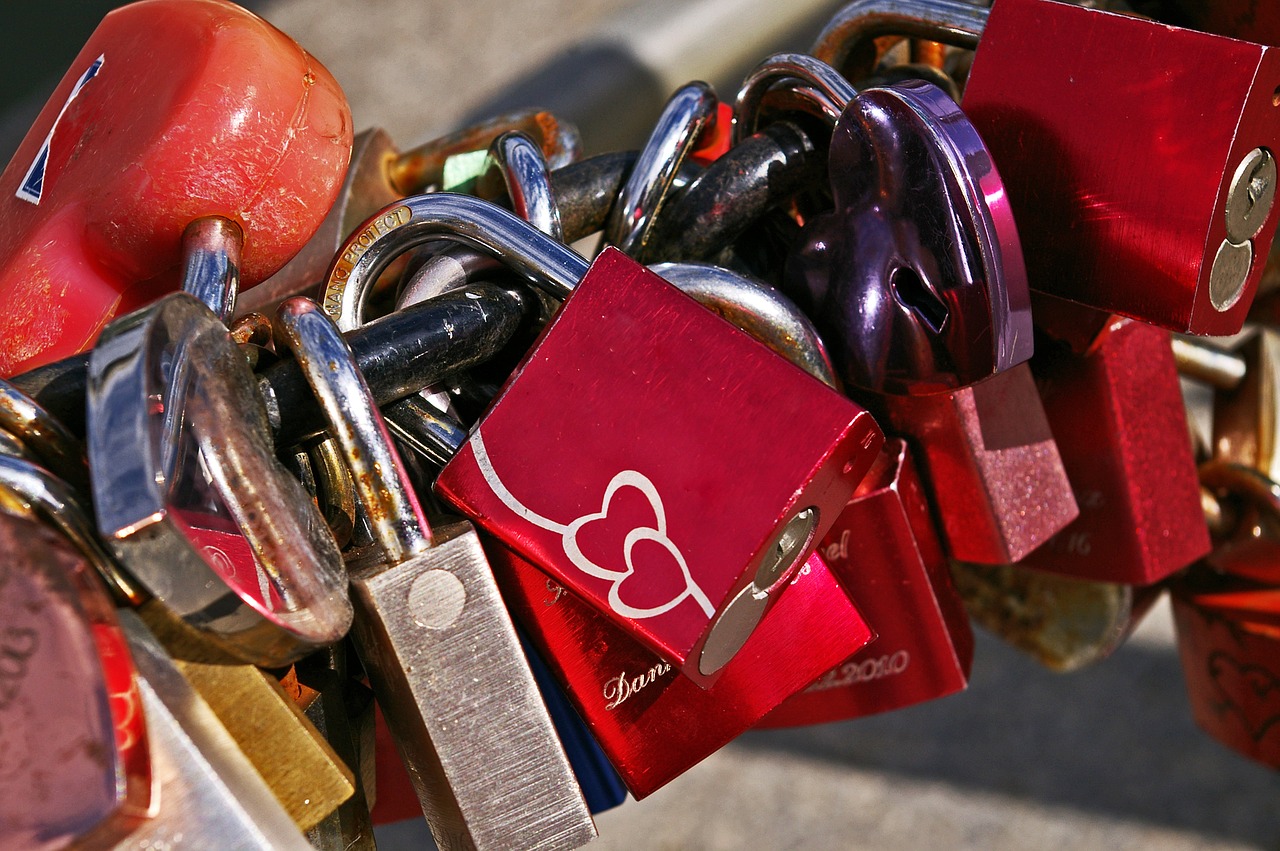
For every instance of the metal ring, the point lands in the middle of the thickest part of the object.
(687, 112)
(948, 21)
(822, 84)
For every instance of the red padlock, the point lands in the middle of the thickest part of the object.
(1158, 203)
(988, 450)
(683, 502)
(173, 110)
(1232, 667)
(651, 722)
(1118, 419)
(885, 550)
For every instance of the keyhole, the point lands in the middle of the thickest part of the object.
(913, 293)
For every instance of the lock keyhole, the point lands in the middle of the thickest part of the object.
(913, 293)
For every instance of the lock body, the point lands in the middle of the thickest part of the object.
(1118, 419)
(171, 111)
(653, 723)
(1124, 184)
(990, 462)
(675, 473)
(885, 551)
(1231, 666)
(66, 689)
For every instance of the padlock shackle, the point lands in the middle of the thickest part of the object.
(329, 366)
(52, 501)
(211, 248)
(527, 177)
(952, 22)
(687, 112)
(414, 171)
(821, 85)
(758, 309)
(43, 434)
(550, 266)
(524, 171)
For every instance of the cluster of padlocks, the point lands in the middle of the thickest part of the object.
(471, 526)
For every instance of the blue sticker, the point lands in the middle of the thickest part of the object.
(32, 186)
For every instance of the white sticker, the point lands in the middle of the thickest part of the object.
(32, 186)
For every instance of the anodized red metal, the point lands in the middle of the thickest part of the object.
(1232, 669)
(987, 456)
(645, 455)
(174, 109)
(74, 757)
(653, 723)
(1251, 20)
(1117, 176)
(885, 551)
(1118, 418)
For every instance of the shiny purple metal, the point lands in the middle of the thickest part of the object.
(916, 280)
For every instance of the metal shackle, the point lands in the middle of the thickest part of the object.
(527, 177)
(211, 247)
(355, 423)
(44, 435)
(53, 501)
(756, 308)
(550, 266)
(821, 84)
(951, 22)
(687, 112)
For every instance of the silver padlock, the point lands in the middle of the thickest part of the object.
(190, 497)
(436, 639)
(210, 794)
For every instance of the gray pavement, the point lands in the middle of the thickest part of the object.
(1103, 758)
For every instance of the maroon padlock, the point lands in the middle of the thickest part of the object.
(885, 551)
(927, 315)
(1117, 416)
(1140, 193)
(684, 497)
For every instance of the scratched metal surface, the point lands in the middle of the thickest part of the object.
(1106, 757)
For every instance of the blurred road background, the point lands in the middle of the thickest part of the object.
(1108, 757)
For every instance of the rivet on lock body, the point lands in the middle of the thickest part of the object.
(927, 316)
(440, 650)
(650, 464)
(1149, 197)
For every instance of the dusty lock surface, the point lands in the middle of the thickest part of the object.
(1106, 757)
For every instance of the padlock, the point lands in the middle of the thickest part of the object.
(639, 707)
(692, 109)
(1117, 417)
(210, 795)
(1063, 623)
(380, 174)
(1158, 205)
(705, 591)
(439, 648)
(1230, 665)
(189, 495)
(172, 110)
(885, 551)
(75, 761)
(299, 767)
(341, 708)
(928, 311)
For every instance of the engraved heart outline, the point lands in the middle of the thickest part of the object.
(1258, 680)
(569, 536)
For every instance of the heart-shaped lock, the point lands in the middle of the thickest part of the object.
(66, 688)
(916, 278)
